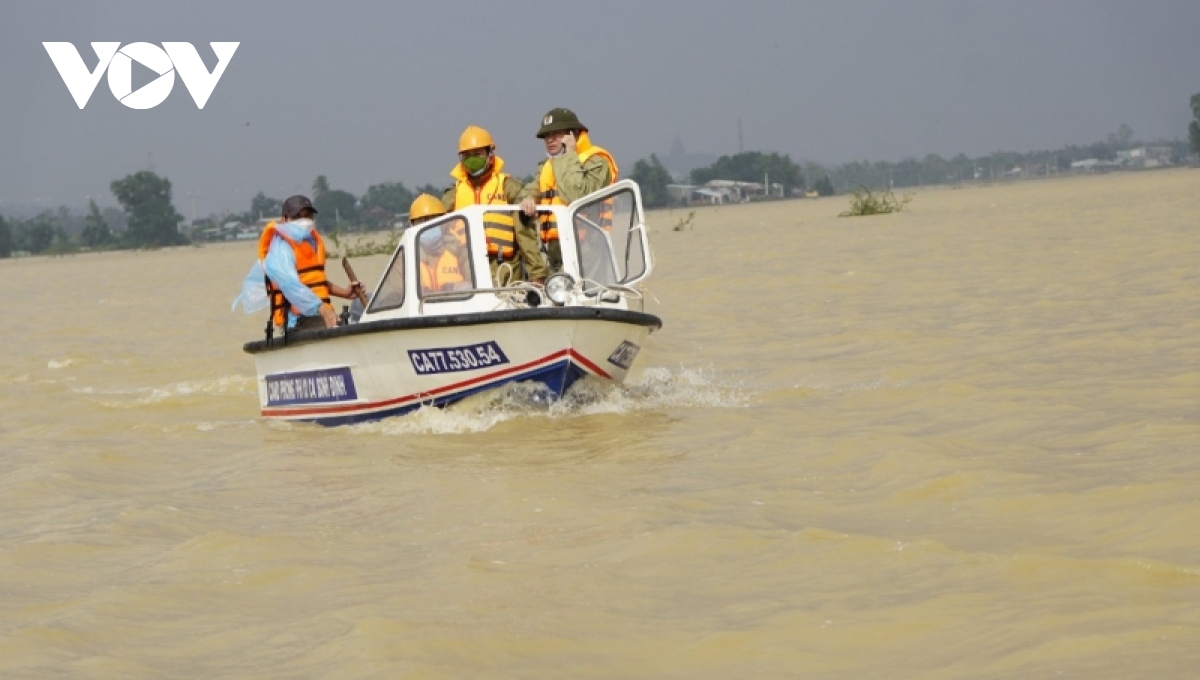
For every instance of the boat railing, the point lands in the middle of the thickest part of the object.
(521, 287)
(592, 293)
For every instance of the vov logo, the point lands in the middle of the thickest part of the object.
(165, 61)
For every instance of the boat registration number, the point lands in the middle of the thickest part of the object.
(454, 359)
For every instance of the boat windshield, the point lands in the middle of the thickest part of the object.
(444, 258)
(610, 251)
(390, 294)
(628, 246)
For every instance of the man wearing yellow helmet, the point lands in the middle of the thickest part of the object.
(424, 208)
(439, 247)
(480, 180)
(574, 168)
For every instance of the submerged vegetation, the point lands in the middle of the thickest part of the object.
(684, 223)
(864, 201)
(363, 246)
(1194, 127)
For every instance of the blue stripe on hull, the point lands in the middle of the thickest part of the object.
(557, 377)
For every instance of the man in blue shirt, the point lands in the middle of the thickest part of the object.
(293, 259)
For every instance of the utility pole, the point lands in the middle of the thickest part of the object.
(740, 148)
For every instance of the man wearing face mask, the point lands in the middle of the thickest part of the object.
(293, 259)
(480, 180)
(574, 168)
(440, 268)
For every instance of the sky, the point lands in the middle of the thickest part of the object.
(374, 91)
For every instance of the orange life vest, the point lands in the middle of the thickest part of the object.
(548, 187)
(499, 227)
(310, 267)
(436, 274)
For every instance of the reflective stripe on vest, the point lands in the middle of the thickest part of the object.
(310, 268)
(548, 189)
(499, 227)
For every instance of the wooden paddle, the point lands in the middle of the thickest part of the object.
(362, 297)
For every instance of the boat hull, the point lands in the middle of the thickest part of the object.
(377, 370)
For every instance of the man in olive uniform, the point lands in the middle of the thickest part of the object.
(574, 168)
(479, 179)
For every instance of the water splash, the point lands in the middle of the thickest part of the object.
(55, 364)
(655, 389)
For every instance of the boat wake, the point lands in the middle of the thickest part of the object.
(655, 389)
(136, 397)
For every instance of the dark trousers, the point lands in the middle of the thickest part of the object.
(309, 323)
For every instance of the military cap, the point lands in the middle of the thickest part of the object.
(559, 119)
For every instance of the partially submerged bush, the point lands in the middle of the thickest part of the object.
(867, 202)
(680, 225)
(364, 247)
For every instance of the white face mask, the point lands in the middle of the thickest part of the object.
(305, 223)
(432, 242)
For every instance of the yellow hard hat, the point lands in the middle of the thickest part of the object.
(474, 137)
(425, 207)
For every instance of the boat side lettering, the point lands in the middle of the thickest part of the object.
(624, 355)
(325, 386)
(454, 359)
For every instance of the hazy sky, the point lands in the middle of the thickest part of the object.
(367, 92)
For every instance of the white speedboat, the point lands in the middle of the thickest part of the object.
(437, 329)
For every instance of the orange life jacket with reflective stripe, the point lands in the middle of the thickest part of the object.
(434, 275)
(548, 187)
(310, 267)
(500, 227)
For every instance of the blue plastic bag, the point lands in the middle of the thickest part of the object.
(254, 292)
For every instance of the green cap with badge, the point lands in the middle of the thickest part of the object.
(559, 119)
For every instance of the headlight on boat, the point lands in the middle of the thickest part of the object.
(558, 288)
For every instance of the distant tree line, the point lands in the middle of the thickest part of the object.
(934, 169)
(652, 179)
(751, 166)
(1194, 127)
(754, 166)
(147, 219)
(378, 208)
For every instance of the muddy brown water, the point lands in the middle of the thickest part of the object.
(960, 441)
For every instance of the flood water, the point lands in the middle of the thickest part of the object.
(960, 441)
